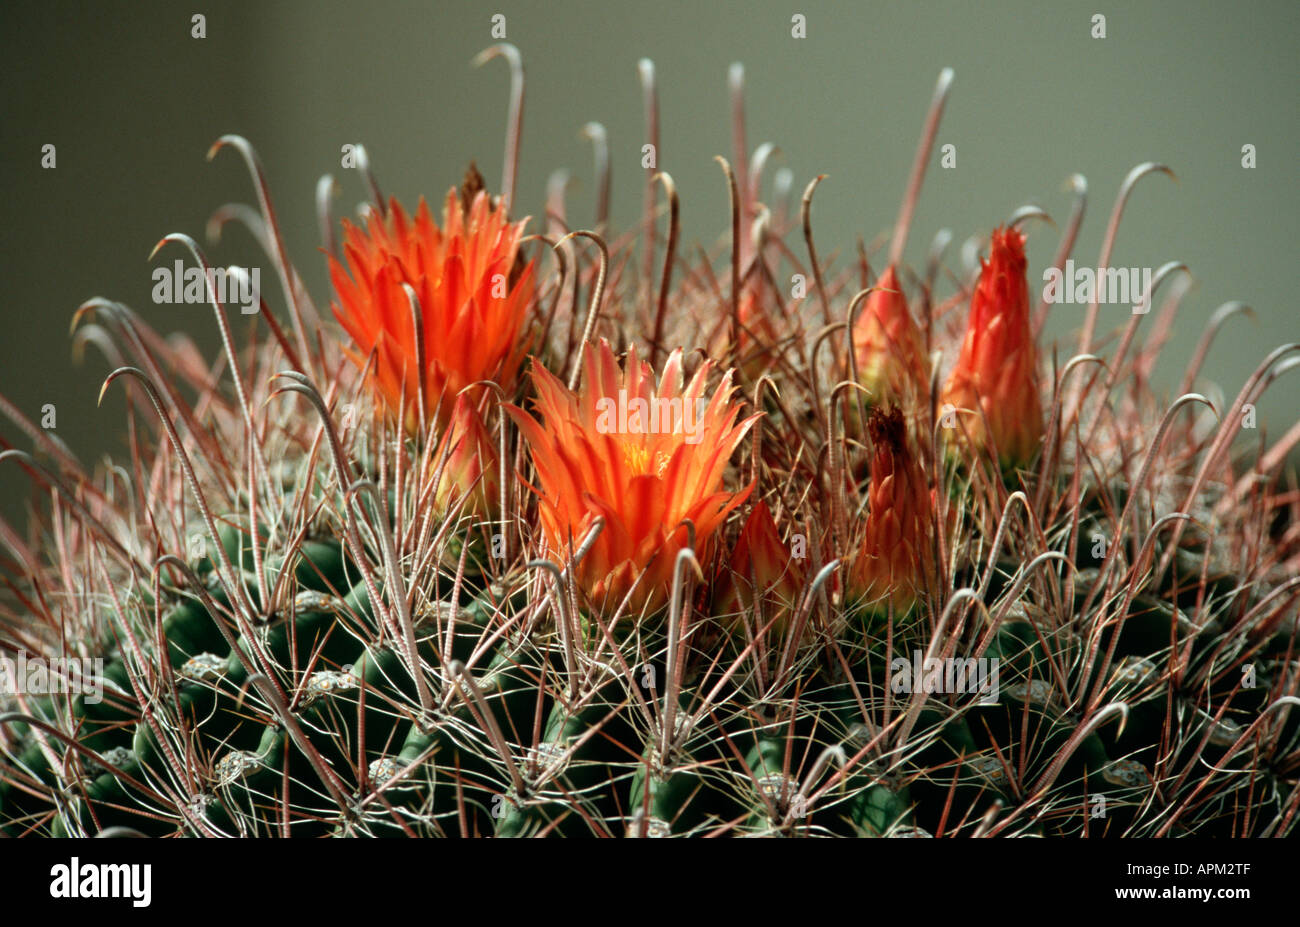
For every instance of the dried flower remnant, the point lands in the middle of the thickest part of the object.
(894, 559)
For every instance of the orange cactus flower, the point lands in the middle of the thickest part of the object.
(643, 458)
(469, 471)
(997, 369)
(895, 560)
(762, 568)
(888, 348)
(472, 303)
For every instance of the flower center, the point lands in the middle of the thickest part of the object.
(642, 459)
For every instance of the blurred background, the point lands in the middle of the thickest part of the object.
(131, 101)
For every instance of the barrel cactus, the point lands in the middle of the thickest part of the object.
(536, 535)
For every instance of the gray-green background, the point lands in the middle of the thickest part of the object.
(132, 103)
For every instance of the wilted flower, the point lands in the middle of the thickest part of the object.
(895, 558)
(997, 369)
(645, 459)
(473, 300)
